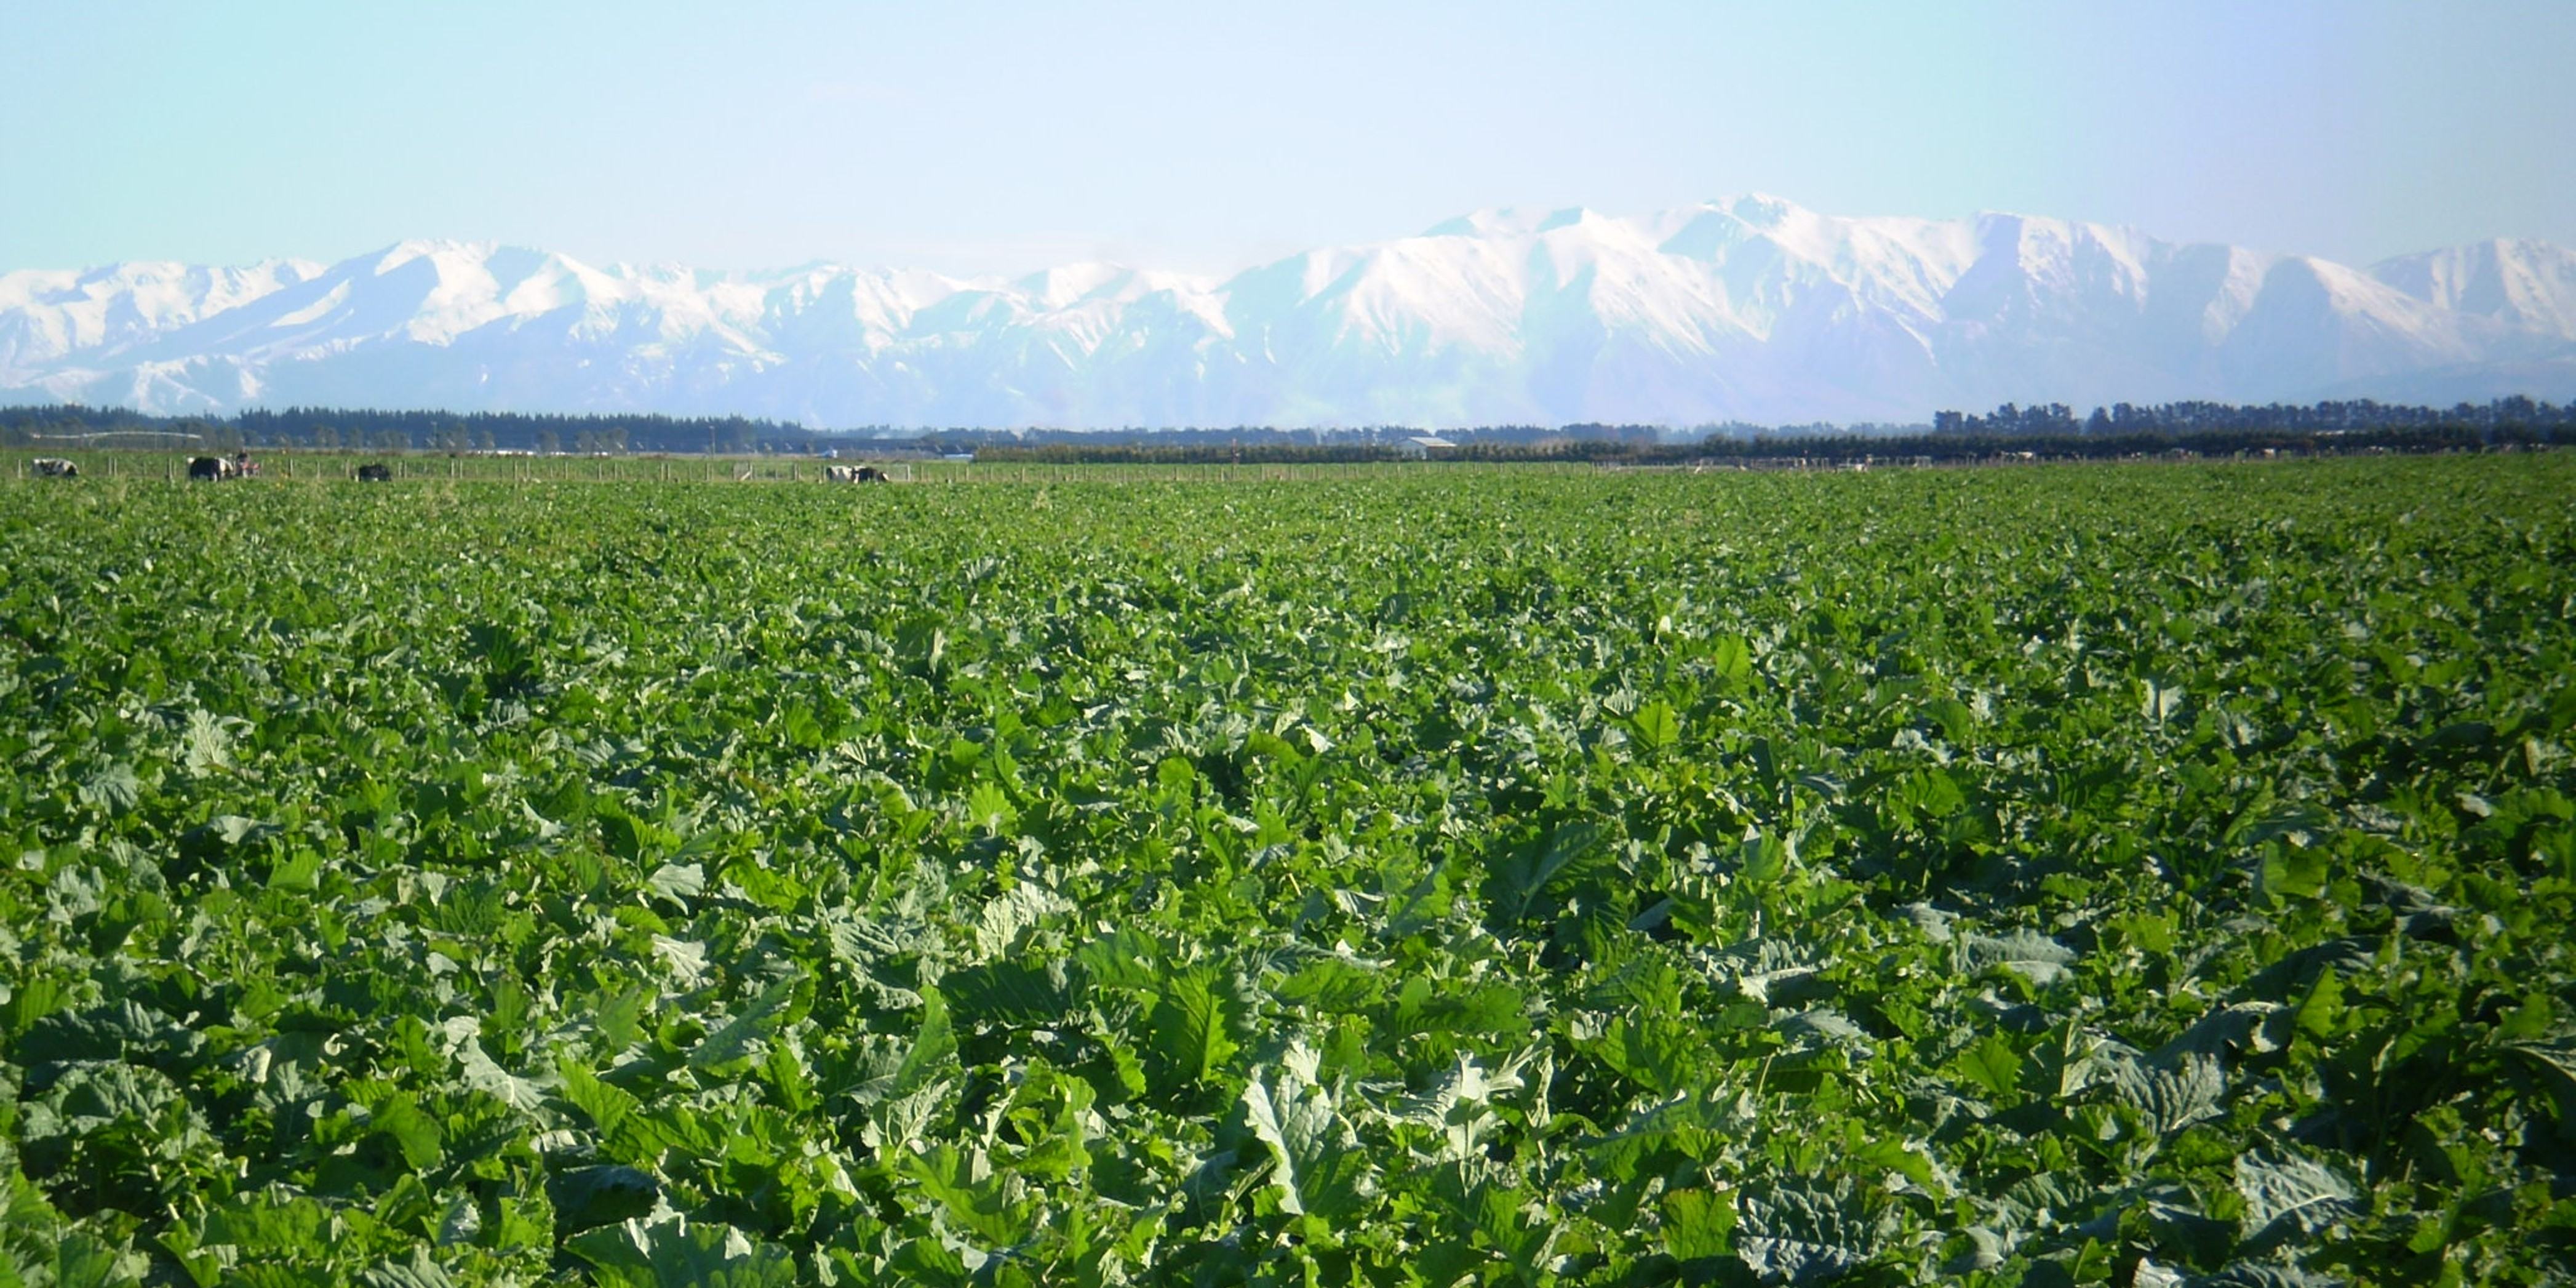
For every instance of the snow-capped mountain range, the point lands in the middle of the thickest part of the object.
(1747, 309)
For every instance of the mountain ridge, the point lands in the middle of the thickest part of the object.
(1749, 308)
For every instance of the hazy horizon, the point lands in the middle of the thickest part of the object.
(976, 142)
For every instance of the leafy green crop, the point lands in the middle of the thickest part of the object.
(2151, 875)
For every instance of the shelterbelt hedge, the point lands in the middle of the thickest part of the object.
(2136, 875)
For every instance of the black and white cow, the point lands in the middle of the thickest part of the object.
(218, 468)
(55, 467)
(375, 474)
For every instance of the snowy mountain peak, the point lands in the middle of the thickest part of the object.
(2527, 284)
(1761, 209)
(433, 249)
(1569, 217)
(1494, 221)
(1747, 307)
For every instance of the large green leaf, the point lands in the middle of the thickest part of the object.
(679, 1251)
(1799, 1232)
(1316, 1160)
(2290, 1195)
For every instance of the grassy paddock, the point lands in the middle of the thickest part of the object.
(1377, 873)
(341, 466)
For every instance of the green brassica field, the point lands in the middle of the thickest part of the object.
(2139, 875)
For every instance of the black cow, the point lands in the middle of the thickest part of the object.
(55, 467)
(375, 474)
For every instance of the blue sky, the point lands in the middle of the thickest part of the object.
(977, 137)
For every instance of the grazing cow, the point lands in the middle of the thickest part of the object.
(871, 474)
(217, 468)
(840, 474)
(55, 467)
(375, 474)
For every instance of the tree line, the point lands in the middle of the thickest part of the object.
(2057, 420)
(2050, 431)
(2047, 429)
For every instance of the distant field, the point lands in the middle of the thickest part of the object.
(327, 467)
(2129, 874)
